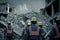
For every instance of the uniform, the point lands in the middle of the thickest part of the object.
(55, 33)
(9, 33)
(33, 33)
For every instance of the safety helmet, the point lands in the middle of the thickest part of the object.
(33, 19)
(40, 23)
(28, 22)
(9, 22)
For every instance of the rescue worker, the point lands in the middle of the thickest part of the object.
(40, 24)
(9, 31)
(33, 32)
(28, 23)
(55, 34)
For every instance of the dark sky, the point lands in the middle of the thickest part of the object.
(24, 6)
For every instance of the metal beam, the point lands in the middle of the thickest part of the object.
(50, 3)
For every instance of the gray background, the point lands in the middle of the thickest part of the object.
(24, 6)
